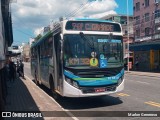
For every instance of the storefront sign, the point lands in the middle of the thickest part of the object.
(143, 39)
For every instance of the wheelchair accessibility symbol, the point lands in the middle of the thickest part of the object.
(103, 63)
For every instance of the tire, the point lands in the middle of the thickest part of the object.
(54, 94)
(36, 80)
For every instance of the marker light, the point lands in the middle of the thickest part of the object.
(69, 80)
(120, 80)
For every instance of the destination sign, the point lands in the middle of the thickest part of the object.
(93, 26)
(79, 61)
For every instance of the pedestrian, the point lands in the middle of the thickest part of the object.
(136, 63)
(21, 69)
(7, 70)
(12, 71)
(17, 69)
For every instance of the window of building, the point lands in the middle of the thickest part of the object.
(137, 18)
(146, 2)
(125, 32)
(146, 17)
(137, 33)
(137, 6)
(147, 31)
(157, 28)
(157, 13)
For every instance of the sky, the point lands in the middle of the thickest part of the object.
(30, 16)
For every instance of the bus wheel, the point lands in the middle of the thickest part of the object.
(36, 80)
(54, 94)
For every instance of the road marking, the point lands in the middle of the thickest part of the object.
(143, 82)
(67, 111)
(153, 103)
(145, 76)
(122, 94)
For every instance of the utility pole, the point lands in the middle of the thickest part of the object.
(127, 37)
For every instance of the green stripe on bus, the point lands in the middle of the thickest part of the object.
(93, 79)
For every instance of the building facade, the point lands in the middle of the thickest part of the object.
(6, 39)
(146, 46)
(128, 32)
(26, 53)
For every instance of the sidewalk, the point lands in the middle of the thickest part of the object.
(25, 96)
(148, 74)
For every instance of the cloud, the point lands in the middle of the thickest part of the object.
(100, 6)
(100, 15)
(34, 14)
(38, 31)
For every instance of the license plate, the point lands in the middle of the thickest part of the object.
(100, 89)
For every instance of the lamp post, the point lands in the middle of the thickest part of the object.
(127, 37)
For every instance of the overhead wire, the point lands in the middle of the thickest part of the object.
(71, 14)
(82, 7)
(25, 33)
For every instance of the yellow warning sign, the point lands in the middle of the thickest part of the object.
(93, 62)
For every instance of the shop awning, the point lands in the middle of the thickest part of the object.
(145, 46)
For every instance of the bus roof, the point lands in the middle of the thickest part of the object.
(71, 19)
(90, 19)
(41, 39)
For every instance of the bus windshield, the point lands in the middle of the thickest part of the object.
(99, 51)
(15, 47)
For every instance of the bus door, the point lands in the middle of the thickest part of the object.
(38, 62)
(57, 62)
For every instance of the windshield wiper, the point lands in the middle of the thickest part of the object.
(89, 42)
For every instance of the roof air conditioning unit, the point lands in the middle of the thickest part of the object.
(156, 2)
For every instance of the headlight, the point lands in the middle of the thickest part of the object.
(71, 82)
(120, 80)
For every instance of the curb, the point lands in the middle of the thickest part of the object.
(139, 74)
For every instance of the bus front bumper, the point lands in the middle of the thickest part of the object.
(70, 91)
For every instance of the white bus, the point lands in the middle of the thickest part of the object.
(80, 58)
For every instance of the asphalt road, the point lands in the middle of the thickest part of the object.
(141, 93)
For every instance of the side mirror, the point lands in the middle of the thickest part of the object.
(61, 49)
(61, 36)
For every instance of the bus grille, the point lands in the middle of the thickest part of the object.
(86, 90)
(96, 72)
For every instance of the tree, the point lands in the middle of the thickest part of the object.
(38, 37)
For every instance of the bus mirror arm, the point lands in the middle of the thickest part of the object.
(61, 56)
(61, 42)
(61, 52)
(61, 36)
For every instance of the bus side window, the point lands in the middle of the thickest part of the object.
(58, 49)
(45, 48)
(41, 51)
(50, 46)
(36, 52)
